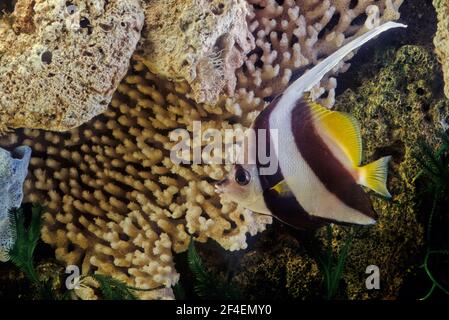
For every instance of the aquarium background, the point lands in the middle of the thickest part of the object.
(394, 87)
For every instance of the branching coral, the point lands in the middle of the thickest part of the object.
(292, 36)
(115, 201)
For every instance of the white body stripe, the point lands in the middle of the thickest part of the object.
(305, 185)
(337, 152)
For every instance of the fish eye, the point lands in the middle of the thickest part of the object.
(242, 177)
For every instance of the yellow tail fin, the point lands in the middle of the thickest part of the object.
(374, 176)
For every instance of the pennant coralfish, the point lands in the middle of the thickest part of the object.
(319, 154)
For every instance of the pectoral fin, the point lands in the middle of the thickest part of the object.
(282, 189)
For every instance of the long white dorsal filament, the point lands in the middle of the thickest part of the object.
(307, 81)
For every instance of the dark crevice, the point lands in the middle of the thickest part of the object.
(396, 150)
(421, 21)
(330, 25)
(360, 20)
(7, 7)
(353, 4)
(47, 57)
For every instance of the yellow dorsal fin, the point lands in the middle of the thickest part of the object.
(343, 128)
(374, 176)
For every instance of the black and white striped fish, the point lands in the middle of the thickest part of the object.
(319, 154)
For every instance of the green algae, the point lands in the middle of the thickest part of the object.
(397, 108)
(279, 268)
(209, 286)
(399, 102)
(434, 176)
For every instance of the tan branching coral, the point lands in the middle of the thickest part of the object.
(292, 36)
(116, 202)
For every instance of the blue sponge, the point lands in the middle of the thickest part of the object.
(13, 171)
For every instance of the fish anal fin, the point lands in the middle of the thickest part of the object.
(342, 128)
(374, 176)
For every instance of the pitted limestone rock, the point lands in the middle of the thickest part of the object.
(61, 61)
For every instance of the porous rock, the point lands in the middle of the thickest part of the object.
(61, 61)
(441, 40)
(200, 41)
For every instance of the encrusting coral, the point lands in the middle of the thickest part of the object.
(278, 267)
(441, 39)
(396, 106)
(396, 109)
(13, 171)
(200, 41)
(61, 61)
(116, 203)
